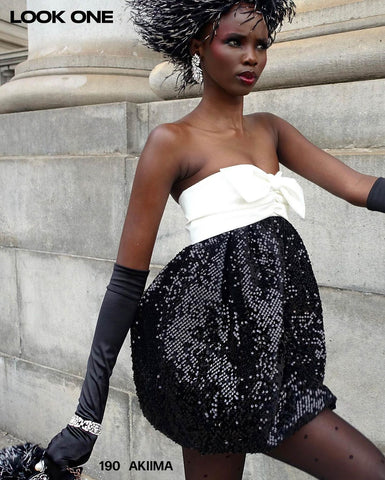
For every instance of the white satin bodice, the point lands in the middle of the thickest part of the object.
(237, 196)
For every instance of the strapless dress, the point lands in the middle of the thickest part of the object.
(228, 345)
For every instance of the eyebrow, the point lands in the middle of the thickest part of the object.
(241, 36)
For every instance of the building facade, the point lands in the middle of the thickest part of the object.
(74, 116)
(13, 40)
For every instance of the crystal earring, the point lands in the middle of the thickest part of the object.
(196, 68)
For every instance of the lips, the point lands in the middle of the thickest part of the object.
(247, 77)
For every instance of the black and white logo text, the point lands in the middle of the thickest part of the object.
(62, 16)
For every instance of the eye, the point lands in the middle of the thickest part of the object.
(263, 45)
(233, 42)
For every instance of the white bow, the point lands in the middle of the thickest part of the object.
(254, 184)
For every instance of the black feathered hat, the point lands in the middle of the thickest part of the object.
(168, 26)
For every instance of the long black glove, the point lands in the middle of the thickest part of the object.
(74, 444)
(376, 197)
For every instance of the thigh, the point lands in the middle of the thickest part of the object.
(223, 466)
(329, 448)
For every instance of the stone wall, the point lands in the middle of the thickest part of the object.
(65, 179)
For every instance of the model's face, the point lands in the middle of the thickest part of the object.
(236, 57)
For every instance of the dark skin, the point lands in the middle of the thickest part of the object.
(215, 135)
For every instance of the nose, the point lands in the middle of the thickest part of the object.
(250, 56)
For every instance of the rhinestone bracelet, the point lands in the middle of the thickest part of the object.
(86, 425)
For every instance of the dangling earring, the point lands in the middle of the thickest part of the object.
(196, 68)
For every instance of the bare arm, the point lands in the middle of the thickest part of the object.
(302, 157)
(157, 170)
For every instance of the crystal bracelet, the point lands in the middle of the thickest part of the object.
(86, 425)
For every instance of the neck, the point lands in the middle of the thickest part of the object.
(219, 111)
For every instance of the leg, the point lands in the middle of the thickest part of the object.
(331, 449)
(223, 466)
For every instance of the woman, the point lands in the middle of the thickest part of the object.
(228, 343)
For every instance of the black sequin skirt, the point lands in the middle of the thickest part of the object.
(228, 345)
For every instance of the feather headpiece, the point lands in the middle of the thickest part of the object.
(168, 26)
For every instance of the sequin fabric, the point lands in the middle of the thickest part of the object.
(228, 345)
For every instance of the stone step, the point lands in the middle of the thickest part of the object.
(7, 440)
(90, 130)
(76, 206)
(336, 115)
(321, 17)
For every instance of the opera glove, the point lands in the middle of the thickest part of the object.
(74, 444)
(376, 197)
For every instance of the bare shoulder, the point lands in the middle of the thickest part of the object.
(266, 123)
(167, 135)
(266, 119)
(163, 150)
(279, 124)
(285, 133)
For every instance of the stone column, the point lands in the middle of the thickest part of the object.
(80, 63)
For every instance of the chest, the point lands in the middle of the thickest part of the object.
(207, 154)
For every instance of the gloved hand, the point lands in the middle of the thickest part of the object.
(69, 448)
(48, 470)
(376, 197)
(74, 444)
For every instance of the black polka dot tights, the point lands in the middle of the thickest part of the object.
(328, 448)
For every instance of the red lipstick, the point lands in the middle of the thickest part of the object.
(247, 78)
